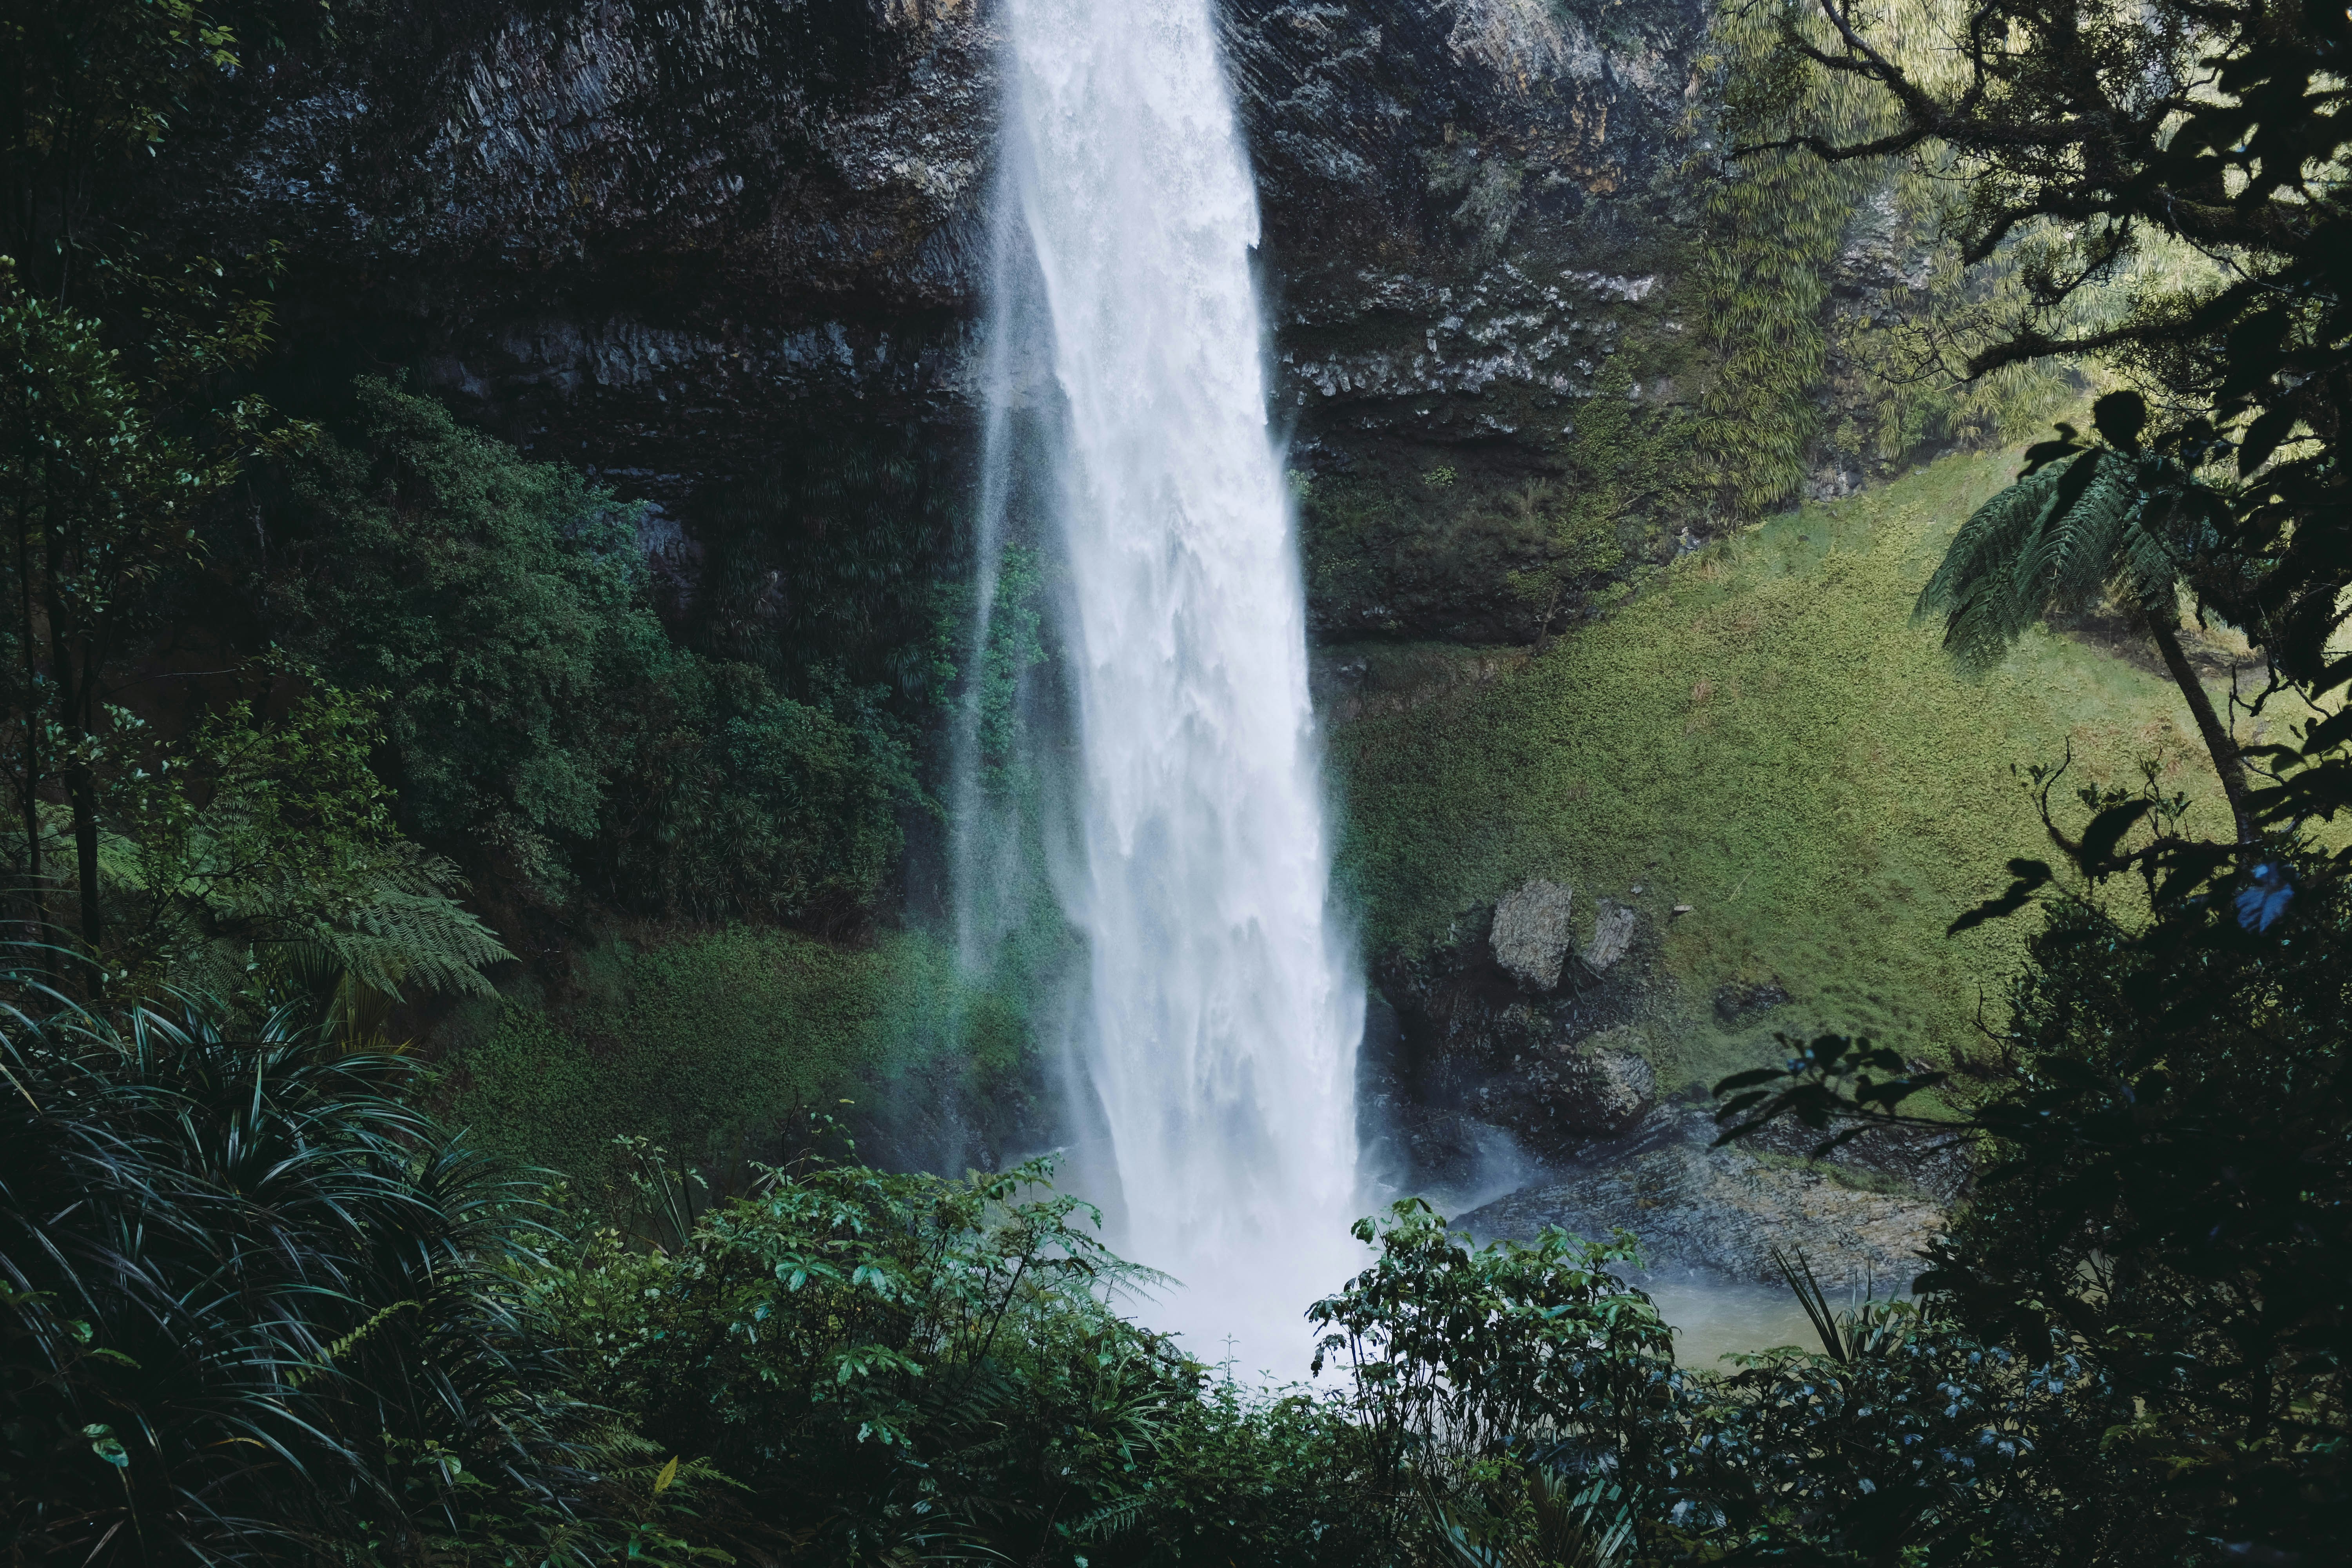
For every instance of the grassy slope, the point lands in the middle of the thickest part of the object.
(1766, 737)
(715, 1033)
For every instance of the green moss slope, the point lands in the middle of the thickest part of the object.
(713, 1035)
(1766, 737)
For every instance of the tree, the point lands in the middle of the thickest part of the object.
(540, 720)
(1520, 1396)
(2081, 523)
(99, 502)
(87, 93)
(112, 439)
(2084, 137)
(2164, 1188)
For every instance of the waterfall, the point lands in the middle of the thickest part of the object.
(1216, 1041)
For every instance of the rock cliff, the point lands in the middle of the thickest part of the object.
(669, 239)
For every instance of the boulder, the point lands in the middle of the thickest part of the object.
(1614, 1084)
(1530, 936)
(1612, 933)
(1565, 1097)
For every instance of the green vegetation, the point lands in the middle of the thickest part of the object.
(254, 1307)
(1767, 737)
(543, 725)
(2079, 525)
(296, 713)
(260, 1305)
(1388, 552)
(268, 846)
(714, 1044)
(1793, 375)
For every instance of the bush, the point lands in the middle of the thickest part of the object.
(540, 719)
(1517, 1397)
(254, 1304)
(889, 1366)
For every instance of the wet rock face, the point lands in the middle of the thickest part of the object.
(1513, 1029)
(1570, 1094)
(653, 235)
(644, 236)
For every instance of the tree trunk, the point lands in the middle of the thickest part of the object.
(82, 784)
(33, 711)
(76, 696)
(2219, 742)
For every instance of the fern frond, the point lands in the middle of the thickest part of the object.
(1111, 1520)
(401, 936)
(1975, 588)
(2055, 540)
(2077, 542)
(121, 863)
(345, 1346)
(2150, 567)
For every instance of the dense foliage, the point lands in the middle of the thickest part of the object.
(2091, 138)
(260, 1309)
(540, 720)
(254, 1304)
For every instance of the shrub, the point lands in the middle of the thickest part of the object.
(251, 1304)
(540, 719)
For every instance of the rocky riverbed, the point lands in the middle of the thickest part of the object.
(1534, 1050)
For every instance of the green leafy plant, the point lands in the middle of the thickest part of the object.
(243, 1277)
(1498, 1385)
(272, 844)
(891, 1364)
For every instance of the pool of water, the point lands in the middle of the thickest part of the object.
(1713, 1317)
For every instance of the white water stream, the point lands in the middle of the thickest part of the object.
(1222, 1009)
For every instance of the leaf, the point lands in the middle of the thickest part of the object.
(2043, 453)
(106, 1446)
(2263, 438)
(2119, 417)
(2191, 865)
(2329, 734)
(668, 1474)
(2253, 355)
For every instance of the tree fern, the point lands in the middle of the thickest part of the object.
(2081, 523)
(2063, 536)
(1976, 586)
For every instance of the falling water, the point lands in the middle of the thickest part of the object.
(1216, 1040)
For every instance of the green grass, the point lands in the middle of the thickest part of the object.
(710, 1035)
(1765, 736)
